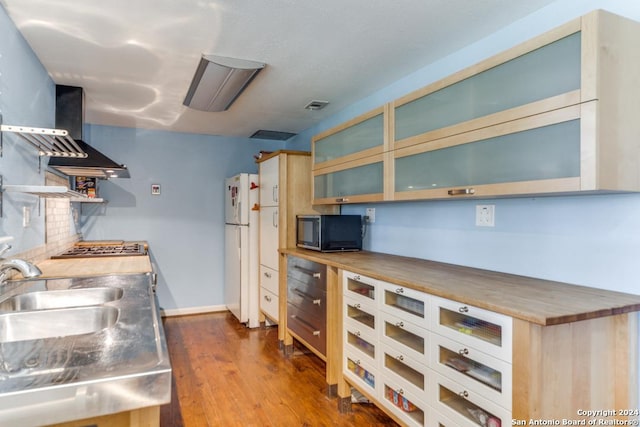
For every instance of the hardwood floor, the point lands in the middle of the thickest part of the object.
(225, 374)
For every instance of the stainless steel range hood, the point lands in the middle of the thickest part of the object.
(70, 116)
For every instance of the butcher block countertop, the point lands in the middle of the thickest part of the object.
(538, 301)
(81, 267)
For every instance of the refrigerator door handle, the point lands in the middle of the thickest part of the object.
(275, 219)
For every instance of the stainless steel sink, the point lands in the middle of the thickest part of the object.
(34, 325)
(42, 300)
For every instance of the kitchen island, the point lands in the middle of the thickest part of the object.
(93, 362)
(552, 349)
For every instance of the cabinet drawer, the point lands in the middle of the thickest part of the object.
(361, 342)
(406, 303)
(269, 279)
(360, 372)
(269, 303)
(463, 406)
(405, 404)
(359, 314)
(484, 330)
(307, 298)
(405, 336)
(360, 288)
(475, 370)
(308, 272)
(409, 373)
(308, 328)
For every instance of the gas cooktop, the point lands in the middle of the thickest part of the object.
(90, 250)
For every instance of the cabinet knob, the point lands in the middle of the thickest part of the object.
(356, 305)
(400, 391)
(400, 324)
(317, 301)
(342, 200)
(356, 277)
(463, 352)
(267, 275)
(400, 291)
(463, 309)
(268, 298)
(316, 333)
(400, 357)
(357, 333)
(464, 393)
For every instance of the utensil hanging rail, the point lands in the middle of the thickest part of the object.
(48, 142)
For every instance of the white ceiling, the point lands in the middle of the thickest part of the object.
(135, 58)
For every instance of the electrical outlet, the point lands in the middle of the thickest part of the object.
(485, 215)
(370, 215)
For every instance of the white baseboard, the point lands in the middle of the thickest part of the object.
(192, 310)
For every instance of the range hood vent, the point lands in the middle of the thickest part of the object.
(70, 116)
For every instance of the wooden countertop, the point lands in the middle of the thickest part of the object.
(80, 267)
(538, 301)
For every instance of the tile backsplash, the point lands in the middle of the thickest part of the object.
(60, 232)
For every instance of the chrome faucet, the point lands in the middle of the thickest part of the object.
(27, 269)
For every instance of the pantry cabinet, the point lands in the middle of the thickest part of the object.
(553, 115)
(349, 160)
(285, 177)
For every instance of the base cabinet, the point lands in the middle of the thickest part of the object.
(431, 361)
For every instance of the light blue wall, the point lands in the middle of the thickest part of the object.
(184, 225)
(26, 98)
(588, 240)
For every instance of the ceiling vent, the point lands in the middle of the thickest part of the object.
(273, 135)
(316, 105)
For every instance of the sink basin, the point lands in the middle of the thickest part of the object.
(32, 325)
(61, 299)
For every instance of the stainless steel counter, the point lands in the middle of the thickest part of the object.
(122, 367)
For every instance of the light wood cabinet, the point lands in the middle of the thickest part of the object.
(545, 117)
(554, 115)
(285, 179)
(349, 161)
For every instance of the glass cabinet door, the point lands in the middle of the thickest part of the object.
(362, 180)
(544, 153)
(551, 70)
(365, 133)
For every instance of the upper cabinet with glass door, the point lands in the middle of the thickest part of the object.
(556, 114)
(348, 163)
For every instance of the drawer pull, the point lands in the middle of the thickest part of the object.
(268, 298)
(400, 324)
(400, 291)
(316, 333)
(342, 200)
(461, 192)
(317, 301)
(464, 393)
(463, 309)
(463, 352)
(267, 275)
(400, 358)
(314, 274)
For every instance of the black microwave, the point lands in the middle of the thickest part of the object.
(329, 233)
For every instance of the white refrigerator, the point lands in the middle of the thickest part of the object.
(241, 248)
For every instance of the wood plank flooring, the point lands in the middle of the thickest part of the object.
(225, 374)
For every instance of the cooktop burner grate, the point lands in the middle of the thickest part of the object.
(126, 249)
